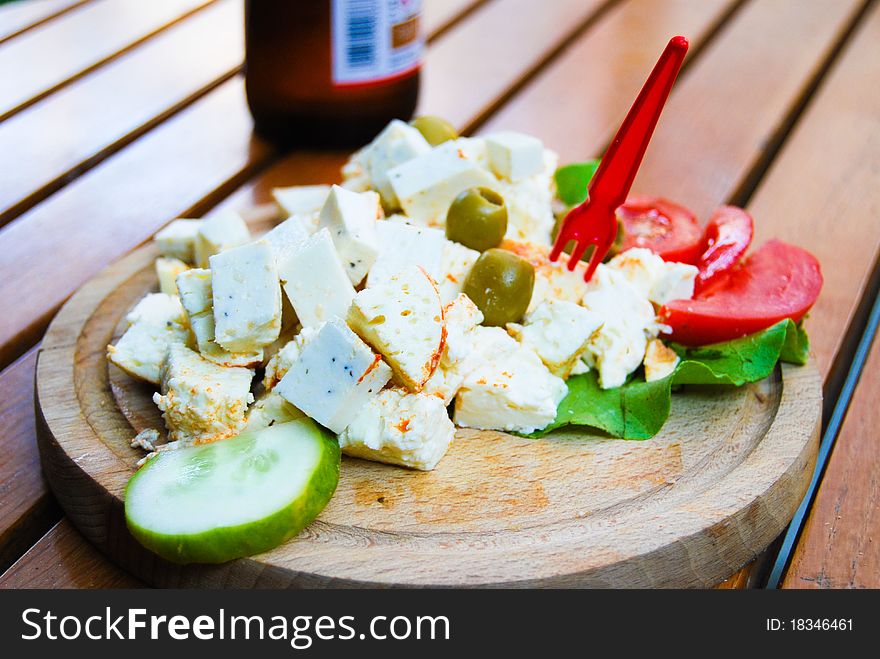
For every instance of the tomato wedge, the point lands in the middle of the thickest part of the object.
(667, 229)
(725, 240)
(775, 282)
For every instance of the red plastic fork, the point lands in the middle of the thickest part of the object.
(594, 222)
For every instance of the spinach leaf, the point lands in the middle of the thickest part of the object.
(573, 180)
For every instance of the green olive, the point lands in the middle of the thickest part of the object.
(434, 129)
(477, 219)
(613, 251)
(500, 283)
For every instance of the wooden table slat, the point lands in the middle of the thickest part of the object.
(64, 49)
(495, 50)
(64, 559)
(27, 511)
(49, 144)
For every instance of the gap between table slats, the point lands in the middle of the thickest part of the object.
(18, 18)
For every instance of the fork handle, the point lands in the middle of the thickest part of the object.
(614, 178)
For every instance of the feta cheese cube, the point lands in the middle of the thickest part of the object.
(461, 316)
(618, 347)
(167, 269)
(156, 308)
(196, 294)
(335, 375)
(400, 428)
(558, 332)
(155, 323)
(286, 237)
(396, 144)
(178, 239)
(660, 360)
(301, 200)
(509, 389)
(315, 281)
(530, 216)
(553, 280)
(269, 409)
(218, 233)
(455, 264)
(247, 297)
(427, 184)
(282, 361)
(514, 156)
(658, 280)
(201, 401)
(402, 320)
(350, 217)
(402, 246)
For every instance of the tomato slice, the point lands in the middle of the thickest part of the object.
(667, 229)
(775, 282)
(725, 240)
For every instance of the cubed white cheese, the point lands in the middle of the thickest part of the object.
(427, 185)
(553, 280)
(286, 238)
(558, 332)
(269, 409)
(402, 246)
(315, 281)
(368, 168)
(658, 280)
(156, 322)
(167, 269)
(247, 297)
(529, 203)
(178, 239)
(617, 348)
(157, 308)
(514, 156)
(510, 388)
(218, 233)
(461, 316)
(197, 297)
(201, 401)
(301, 200)
(456, 263)
(350, 217)
(335, 375)
(402, 319)
(660, 360)
(282, 361)
(400, 428)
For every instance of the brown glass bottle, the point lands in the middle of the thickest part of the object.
(331, 72)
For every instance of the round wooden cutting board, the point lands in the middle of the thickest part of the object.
(686, 508)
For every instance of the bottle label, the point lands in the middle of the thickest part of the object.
(375, 40)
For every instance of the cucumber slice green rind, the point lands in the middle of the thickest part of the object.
(227, 542)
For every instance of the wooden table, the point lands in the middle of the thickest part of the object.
(117, 116)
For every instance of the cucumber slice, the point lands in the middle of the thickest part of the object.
(233, 498)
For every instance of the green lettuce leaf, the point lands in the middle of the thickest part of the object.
(638, 409)
(573, 180)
